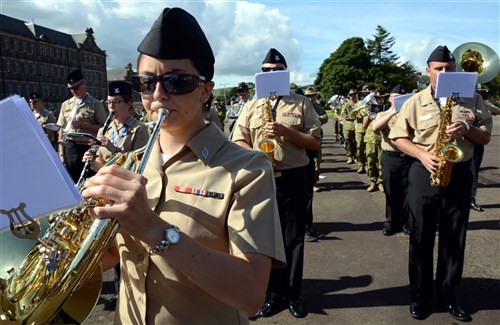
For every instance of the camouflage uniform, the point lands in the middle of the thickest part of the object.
(373, 158)
(347, 113)
(359, 115)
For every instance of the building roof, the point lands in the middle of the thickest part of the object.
(29, 29)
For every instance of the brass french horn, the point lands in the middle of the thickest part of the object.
(43, 287)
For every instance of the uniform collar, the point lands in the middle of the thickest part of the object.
(207, 142)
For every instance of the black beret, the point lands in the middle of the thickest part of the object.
(441, 54)
(35, 96)
(116, 88)
(74, 76)
(176, 35)
(398, 89)
(273, 56)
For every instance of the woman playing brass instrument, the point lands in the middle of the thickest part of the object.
(200, 229)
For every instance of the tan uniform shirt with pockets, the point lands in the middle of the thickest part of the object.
(419, 120)
(296, 112)
(219, 194)
(90, 110)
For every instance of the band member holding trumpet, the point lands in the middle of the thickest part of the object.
(416, 132)
(80, 113)
(199, 229)
(295, 127)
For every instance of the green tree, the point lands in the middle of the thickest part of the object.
(380, 47)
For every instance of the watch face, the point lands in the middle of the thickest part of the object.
(173, 235)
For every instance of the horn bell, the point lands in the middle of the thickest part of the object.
(477, 57)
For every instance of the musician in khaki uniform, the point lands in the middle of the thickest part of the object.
(415, 133)
(395, 166)
(42, 115)
(80, 113)
(199, 229)
(295, 127)
(348, 117)
(125, 133)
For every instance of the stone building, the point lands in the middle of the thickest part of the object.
(34, 58)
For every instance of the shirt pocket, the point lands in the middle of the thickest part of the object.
(291, 119)
(425, 130)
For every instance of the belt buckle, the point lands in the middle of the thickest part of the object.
(277, 174)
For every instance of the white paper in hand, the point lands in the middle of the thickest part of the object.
(462, 84)
(271, 83)
(30, 170)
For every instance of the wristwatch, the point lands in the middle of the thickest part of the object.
(61, 154)
(172, 237)
(467, 126)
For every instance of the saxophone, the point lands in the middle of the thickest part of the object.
(51, 283)
(267, 144)
(447, 152)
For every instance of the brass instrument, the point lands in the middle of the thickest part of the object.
(447, 152)
(477, 57)
(46, 285)
(267, 144)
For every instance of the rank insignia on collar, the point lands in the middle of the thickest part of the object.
(199, 192)
(204, 152)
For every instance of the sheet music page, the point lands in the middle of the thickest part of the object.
(273, 82)
(30, 170)
(461, 83)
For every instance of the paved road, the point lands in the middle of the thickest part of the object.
(355, 275)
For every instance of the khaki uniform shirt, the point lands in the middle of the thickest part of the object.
(419, 120)
(348, 113)
(294, 111)
(386, 143)
(44, 117)
(219, 194)
(90, 110)
(131, 136)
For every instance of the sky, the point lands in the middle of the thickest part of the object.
(305, 32)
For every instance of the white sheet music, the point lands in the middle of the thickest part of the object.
(272, 83)
(30, 170)
(462, 84)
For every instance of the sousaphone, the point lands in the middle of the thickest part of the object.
(477, 57)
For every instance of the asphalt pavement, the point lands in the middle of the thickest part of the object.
(355, 275)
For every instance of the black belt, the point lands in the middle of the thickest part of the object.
(395, 153)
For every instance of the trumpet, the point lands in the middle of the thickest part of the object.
(66, 260)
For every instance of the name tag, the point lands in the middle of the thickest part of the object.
(425, 117)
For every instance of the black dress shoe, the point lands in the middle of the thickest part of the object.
(458, 313)
(418, 310)
(389, 231)
(268, 307)
(475, 206)
(296, 308)
(406, 230)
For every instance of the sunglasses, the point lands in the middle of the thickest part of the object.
(114, 102)
(273, 69)
(240, 90)
(76, 87)
(172, 83)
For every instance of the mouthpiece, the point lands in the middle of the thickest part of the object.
(163, 113)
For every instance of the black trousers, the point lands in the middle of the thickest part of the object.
(476, 160)
(291, 195)
(395, 168)
(74, 164)
(429, 206)
(311, 178)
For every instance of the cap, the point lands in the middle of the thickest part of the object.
(310, 91)
(398, 89)
(35, 96)
(176, 35)
(116, 88)
(353, 92)
(299, 91)
(74, 76)
(242, 85)
(441, 54)
(274, 56)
